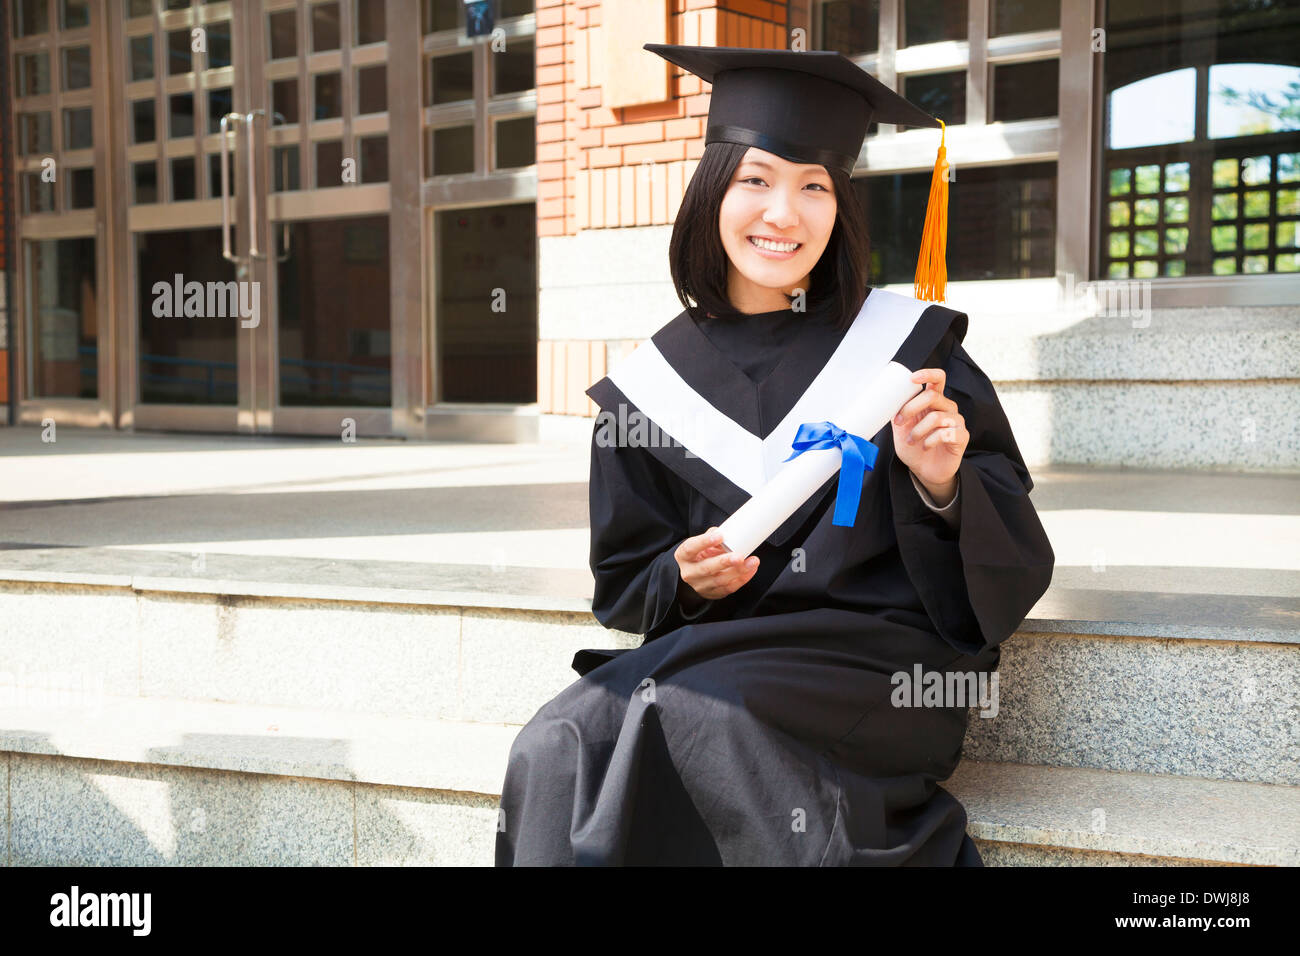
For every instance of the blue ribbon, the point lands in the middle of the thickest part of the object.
(857, 455)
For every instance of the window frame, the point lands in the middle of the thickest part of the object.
(1077, 148)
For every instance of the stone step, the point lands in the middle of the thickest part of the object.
(1156, 682)
(140, 781)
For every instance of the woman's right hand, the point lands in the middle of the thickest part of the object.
(711, 571)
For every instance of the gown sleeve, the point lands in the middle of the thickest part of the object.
(979, 576)
(638, 513)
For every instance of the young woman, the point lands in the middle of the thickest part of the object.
(761, 721)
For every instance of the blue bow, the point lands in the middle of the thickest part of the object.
(857, 455)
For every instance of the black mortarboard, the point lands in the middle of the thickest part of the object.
(812, 107)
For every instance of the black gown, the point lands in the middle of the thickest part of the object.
(757, 729)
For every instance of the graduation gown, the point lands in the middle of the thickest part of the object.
(758, 728)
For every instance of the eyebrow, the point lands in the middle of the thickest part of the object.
(764, 164)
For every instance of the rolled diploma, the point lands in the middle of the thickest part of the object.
(795, 483)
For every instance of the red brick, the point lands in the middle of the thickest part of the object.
(634, 133)
(588, 138)
(688, 128)
(550, 227)
(549, 36)
(550, 74)
(549, 17)
(546, 152)
(550, 132)
(657, 152)
(588, 99)
(550, 113)
(550, 55)
(605, 156)
(550, 171)
(698, 105)
(601, 116)
(554, 93)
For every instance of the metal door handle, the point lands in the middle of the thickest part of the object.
(225, 184)
(254, 222)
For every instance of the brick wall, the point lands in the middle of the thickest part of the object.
(602, 168)
(5, 330)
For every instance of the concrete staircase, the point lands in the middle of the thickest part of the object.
(361, 712)
(280, 650)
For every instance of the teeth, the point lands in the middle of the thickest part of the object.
(774, 246)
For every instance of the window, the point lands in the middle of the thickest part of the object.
(140, 57)
(283, 28)
(76, 68)
(516, 142)
(480, 102)
(35, 134)
(284, 100)
(850, 27)
(452, 151)
(372, 89)
(369, 19)
(324, 27)
(78, 125)
(932, 21)
(1201, 142)
(512, 69)
(33, 70)
(62, 317)
(1001, 222)
(1002, 200)
(1024, 16)
(451, 78)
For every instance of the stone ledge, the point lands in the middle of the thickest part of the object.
(1273, 618)
(244, 738)
(294, 578)
(1152, 815)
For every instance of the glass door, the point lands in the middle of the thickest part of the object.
(254, 168)
(184, 351)
(323, 80)
(60, 323)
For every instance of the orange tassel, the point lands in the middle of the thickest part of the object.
(931, 269)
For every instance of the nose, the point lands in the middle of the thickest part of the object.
(780, 211)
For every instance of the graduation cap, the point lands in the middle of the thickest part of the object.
(813, 107)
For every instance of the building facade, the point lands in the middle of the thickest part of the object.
(434, 235)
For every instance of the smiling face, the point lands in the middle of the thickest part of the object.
(775, 221)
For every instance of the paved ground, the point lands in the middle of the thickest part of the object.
(394, 511)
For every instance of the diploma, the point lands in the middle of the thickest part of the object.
(794, 484)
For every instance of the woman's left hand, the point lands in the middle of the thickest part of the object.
(937, 433)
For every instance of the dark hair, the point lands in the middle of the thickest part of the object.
(698, 262)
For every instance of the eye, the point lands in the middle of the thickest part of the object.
(753, 179)
(817, 186)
